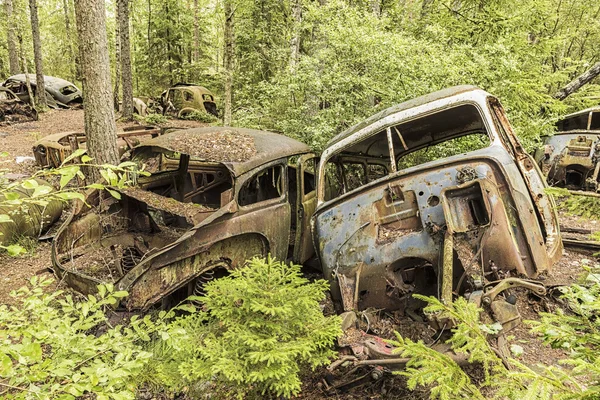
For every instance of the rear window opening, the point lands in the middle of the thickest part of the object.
(67, 90)
(454, 131)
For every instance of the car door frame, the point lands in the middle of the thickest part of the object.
(306, 205)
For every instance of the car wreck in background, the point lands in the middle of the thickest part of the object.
(216, 197)
(12, 109)
(185, 98)
(570, 157)
(59, 92)
(52, 150)
(437, 197)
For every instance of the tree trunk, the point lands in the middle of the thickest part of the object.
(117, 81)
(13, 55)
(578, 82)
(376, 7)
(25, 71)
(99, 115)
(295, 42)
(126, 78)
(69, 38)
(196, 53)
(228, 61)
(40, 91)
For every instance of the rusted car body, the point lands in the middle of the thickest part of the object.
(51, 150)
(60, 93)
(570, 157)
(433, 196)
(185, 98)
(12, 109)
(216, 197)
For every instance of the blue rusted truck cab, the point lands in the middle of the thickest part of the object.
(433, 196)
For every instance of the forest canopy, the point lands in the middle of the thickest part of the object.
(310, 69)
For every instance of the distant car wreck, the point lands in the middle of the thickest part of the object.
(570, 157)
(434, 196)
(216, 198)
(59, 92)
(52, 150)
(13, 110)
(185, 98)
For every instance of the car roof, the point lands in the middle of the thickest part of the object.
(50, 81)
(239, 149)
(417, 101)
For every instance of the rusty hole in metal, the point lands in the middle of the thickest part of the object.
(433, 201)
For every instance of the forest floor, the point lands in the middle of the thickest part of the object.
(17, 141)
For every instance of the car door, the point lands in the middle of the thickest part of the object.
(306, 205)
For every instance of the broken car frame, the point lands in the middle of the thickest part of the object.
(216, 198)
(434, 196)
(51, 151)
(570, 157)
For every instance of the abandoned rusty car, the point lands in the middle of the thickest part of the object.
(570, 157)
(434, 196)
(216, 197)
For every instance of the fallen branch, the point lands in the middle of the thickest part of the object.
(578, 82)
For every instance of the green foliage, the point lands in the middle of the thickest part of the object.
(51, 346)
(257, 328)
(26, 201)
(155, 119)
(586, 206)
(576, 331)
(201, 116)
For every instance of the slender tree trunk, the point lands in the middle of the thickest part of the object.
(126, 78)
(99, 115)
(578, 82)
(376, 7)
(40, 91)
(117, 81)
(295, 41)
(25, 71)
(196, 54)
(228, 61)
(69, 38)
(13, 55)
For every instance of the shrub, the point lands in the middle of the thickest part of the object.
(198, 115)
(576, 331)
(258, 327)
(49, 349)
(155, 119)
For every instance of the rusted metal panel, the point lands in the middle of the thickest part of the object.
(385, 240)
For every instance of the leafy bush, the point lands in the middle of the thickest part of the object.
(50, 346)
(155, 119)
(577, 331)
(583, 205)
(198, 115)
(257, 328)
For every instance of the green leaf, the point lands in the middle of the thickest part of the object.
(96, 186)
(32, 351)
(14, 250)
(67, 174)
(5, 218)
(71, 196)
(114, 194)
(85, 158)
(29, 184)
(6, 365)
(75, 154)
(41, 190)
